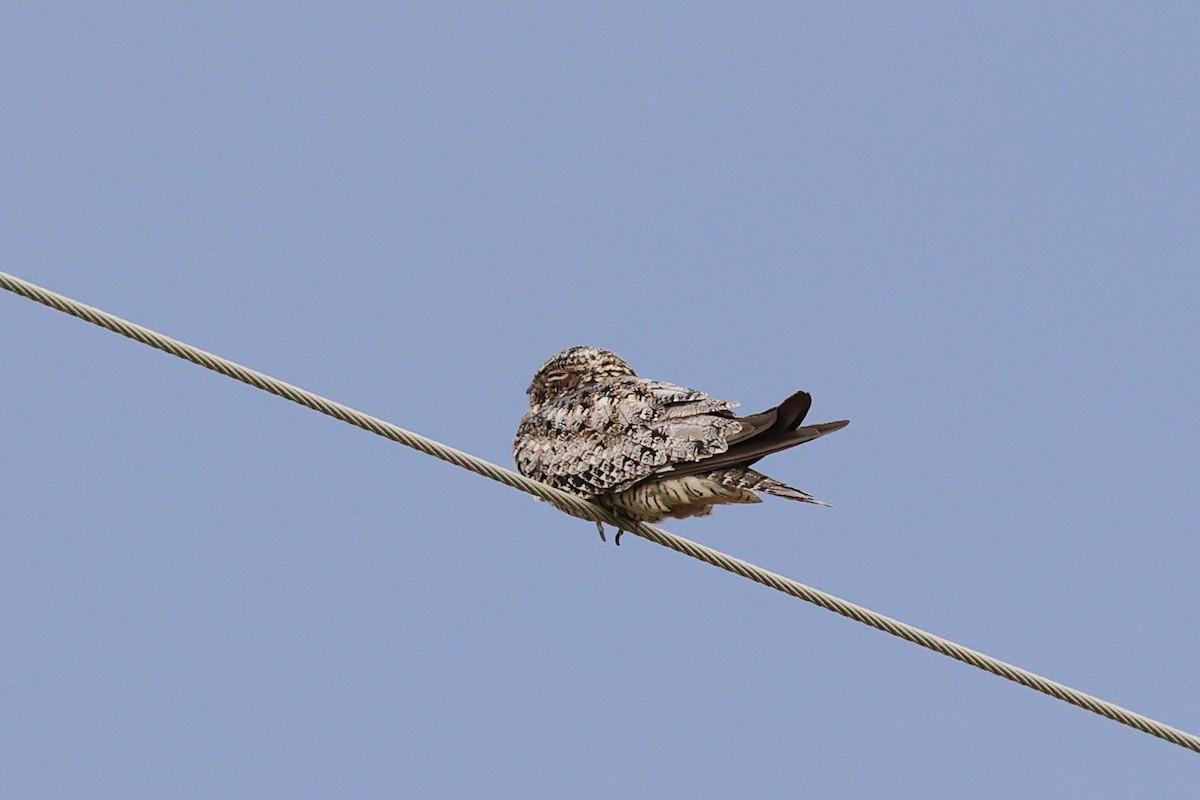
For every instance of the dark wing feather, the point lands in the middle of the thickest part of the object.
(786, 416)
(748, 451)
(762, 434)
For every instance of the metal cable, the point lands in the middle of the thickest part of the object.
(582, 508)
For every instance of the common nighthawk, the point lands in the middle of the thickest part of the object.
(650, 449)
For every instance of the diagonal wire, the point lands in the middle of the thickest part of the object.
(579, 507)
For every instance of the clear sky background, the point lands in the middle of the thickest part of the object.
(973, 231)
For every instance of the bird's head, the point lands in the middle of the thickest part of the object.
(572, 368)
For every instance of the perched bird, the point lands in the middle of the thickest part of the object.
(650, 449)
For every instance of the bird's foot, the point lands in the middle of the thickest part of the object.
(616, 539)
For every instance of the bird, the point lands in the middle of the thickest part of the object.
(650, 449)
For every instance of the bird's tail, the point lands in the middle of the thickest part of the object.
(757, 482)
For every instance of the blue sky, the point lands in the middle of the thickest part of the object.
(972, 231)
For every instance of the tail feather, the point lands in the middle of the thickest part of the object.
(757, 482)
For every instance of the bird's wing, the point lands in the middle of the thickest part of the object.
(747, 451)
(608, 436)
(786, 416)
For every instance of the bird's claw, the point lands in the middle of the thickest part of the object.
(616, 539)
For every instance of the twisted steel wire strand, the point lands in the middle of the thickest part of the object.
(584, 509)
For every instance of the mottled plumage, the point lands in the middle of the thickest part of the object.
(646, 448)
